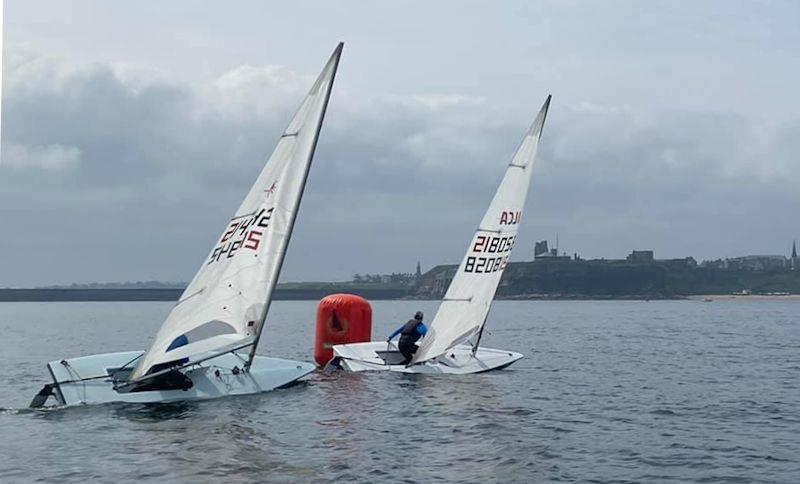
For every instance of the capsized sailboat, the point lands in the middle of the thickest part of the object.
(206, 347)
(452, 343)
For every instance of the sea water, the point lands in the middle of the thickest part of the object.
(624, 391)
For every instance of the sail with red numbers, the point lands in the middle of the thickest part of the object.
(225, 305)
(466, 304)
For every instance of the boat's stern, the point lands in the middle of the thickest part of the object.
(369, 356)
(85, 379)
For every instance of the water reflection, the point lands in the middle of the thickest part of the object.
(154, 412)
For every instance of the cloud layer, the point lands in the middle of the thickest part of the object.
(117, 173)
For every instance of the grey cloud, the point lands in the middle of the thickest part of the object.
(51, 157)
(149, 170)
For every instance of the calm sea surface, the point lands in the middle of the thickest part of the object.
(622, 391)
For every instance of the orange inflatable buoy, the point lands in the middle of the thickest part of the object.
(341, 319)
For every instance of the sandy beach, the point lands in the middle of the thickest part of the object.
(753, 297)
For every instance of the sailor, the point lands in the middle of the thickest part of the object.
(409, 333)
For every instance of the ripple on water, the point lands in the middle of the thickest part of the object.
(666, 391)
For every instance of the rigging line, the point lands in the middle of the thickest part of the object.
(84, 379)
(243, 215)
(71, 370)
(197, 292)
(128, 363)
(80, 378)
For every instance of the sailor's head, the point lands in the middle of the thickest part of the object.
(418, 315)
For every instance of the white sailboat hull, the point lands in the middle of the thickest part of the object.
(382, 356)
(265, 374)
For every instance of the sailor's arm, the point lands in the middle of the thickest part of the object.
(396, 332)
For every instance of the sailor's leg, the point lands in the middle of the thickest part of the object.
(407, 350)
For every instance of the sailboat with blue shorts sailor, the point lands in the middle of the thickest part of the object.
(452, 343)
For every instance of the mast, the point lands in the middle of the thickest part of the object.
(282, 253)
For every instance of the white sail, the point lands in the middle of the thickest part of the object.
(466, 304)
(225, 305)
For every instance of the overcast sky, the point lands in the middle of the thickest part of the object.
(132, 130)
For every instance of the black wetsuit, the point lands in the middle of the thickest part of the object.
(409, 334)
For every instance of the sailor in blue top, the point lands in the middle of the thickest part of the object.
(409, 333)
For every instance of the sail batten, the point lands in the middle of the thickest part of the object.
(234, 286)
(477, 277)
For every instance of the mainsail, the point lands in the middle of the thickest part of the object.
(225, 305)
(466, 304)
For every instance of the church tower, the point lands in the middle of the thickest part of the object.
(794, 262)
(418, 274)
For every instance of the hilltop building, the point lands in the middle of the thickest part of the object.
(757, 262)
(750, 263)
(438, 281)
(648, 257)
(640, 256)
(543, 254)
(540, 251)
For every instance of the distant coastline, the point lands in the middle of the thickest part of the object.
(549, 276)
(317, 293)
(161, 294)
(745, 297)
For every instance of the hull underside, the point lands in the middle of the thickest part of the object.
(380, 356)
(217, 377)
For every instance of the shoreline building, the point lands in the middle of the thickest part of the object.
(541, 251)
(641, 256)
(755, 263)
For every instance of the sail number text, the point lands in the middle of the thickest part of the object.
(489, 245)
(244, 233)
